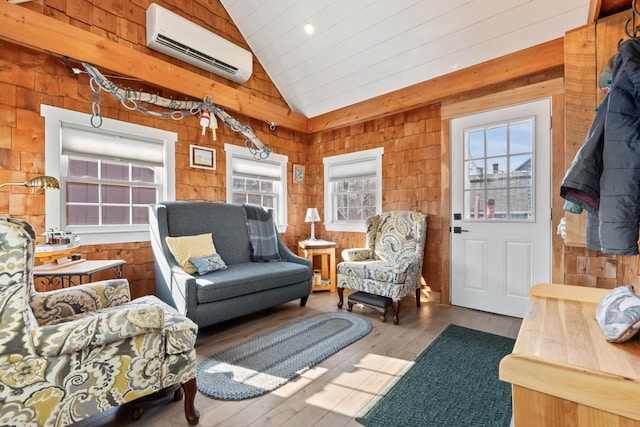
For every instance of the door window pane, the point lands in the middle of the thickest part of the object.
(474, 202)
(521, 200)
(497, 141)
(475, 149)
(499, 184)
(521, 136)
(497, 204)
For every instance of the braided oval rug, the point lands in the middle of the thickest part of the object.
(264, 363)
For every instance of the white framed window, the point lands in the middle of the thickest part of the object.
(352, 189)
(261, 182)
(108, 175)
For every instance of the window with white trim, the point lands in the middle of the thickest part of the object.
(352, 189)
(108, 175)
(260, 182)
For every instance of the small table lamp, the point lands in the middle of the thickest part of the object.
(312, 217)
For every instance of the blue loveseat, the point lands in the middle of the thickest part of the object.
(241, 288)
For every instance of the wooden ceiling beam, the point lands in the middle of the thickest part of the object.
(537, 59)
(25, 27)
(594, 11)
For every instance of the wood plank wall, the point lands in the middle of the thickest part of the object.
(415, 166)
(29, 78)
(587, 50)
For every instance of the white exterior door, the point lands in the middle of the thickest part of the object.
(501, 206)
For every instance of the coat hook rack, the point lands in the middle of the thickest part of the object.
(631, 22)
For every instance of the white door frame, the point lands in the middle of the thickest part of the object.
(499, 259)
(555, 89)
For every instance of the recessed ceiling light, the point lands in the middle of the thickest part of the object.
(308, 28)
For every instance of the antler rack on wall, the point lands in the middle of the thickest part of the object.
(631, 22)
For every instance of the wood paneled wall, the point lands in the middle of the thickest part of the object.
(411, 174)
(415, 143)
(29, 78)
(587, 50)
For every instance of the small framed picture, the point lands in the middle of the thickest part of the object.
(202, 157)
(298, 174)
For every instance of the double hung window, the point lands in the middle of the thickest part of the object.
(108, 176)
(260, 182)
(353, 189)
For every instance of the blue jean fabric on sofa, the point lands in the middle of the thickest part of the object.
(244, 286)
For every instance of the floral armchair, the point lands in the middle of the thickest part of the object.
(71, 353)
(391, 263)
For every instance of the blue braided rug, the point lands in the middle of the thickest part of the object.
(266, 362)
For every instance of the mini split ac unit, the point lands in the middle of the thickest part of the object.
(180, 38)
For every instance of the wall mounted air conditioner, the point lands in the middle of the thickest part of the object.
(180, 38)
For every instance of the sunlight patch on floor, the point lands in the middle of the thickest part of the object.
(350, 391)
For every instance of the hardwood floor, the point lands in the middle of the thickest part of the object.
(332, 393)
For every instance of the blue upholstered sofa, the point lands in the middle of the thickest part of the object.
(242, 287)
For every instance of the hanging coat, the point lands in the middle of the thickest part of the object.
(612, 195)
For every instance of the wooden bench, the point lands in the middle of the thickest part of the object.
(562, 370)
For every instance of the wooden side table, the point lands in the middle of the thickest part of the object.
(78, 269)
(327, 252)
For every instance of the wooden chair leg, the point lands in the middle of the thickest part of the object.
(418, 297)
(396, 309)
(341, 297)
(192, 414)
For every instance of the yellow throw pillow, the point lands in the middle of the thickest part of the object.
(184, 247)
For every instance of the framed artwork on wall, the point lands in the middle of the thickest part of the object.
(298, 174)
(202, 157)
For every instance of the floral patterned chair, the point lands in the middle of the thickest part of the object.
(71, 353)
(391, 264)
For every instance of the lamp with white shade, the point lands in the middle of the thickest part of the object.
(312, 217)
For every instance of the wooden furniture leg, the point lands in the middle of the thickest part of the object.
(138, 405)
(396, 309)
(192, 414)
(341, 297)
(376, 302)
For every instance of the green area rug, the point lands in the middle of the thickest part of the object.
(453, 382)
(263, 363)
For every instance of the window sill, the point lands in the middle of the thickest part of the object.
(109, 237)
(354, 228)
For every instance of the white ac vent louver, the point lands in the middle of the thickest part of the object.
(180, 38)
